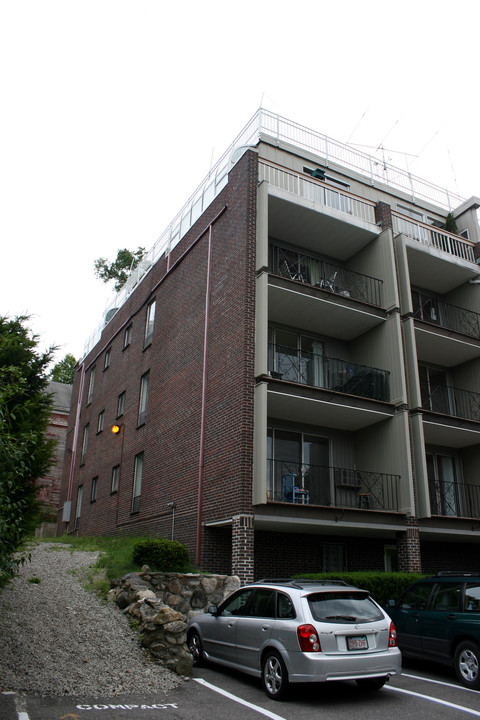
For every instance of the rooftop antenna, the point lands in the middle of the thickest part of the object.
(356, 126)
(453, 171)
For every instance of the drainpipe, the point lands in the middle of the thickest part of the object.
(203, 407)
(68, 503)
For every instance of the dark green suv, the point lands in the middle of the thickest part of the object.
(438, 618)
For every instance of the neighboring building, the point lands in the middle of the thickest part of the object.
(49, 486)
(294, 372)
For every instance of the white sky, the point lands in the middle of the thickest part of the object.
(113, 110)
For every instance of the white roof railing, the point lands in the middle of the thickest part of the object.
(268, 126)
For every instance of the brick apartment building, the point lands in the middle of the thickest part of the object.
(49, 485)
(293, 371)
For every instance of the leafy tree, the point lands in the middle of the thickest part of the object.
(25, 454)
(63, 371)
(121, 268)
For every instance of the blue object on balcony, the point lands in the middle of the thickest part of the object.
(293, 493)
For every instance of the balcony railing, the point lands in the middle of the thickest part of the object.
(437, 311)
(304, 484)
(317, 192)
(433, 237)
(324, 275)
(309, 368)
(449, 400)
(454, 499)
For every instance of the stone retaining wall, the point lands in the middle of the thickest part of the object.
(163, 603)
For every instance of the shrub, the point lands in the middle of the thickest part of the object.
(381, 585)
(161, 555)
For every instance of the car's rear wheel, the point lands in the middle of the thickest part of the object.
(371, 684)
(275, 676)
(195, 646)
(467, 664)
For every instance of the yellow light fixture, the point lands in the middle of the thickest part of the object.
(115, 429)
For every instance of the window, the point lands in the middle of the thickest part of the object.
(414, 214)
(137, 482)
(115, 478)
(101, 417)
(416, 598)
(150, 323)
(285, 608)
(84, 443)
(142, 408)
(90, 386)
(93, 489)
(297, 358)
(472, 597)
(78, 510)
(434, 389)
(121, 404)
(446, 596)
(127, 338)
(108, 355)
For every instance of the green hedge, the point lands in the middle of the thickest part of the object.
(381, 585)
(161, 555)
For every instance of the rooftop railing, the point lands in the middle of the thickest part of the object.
(309, 368)
(306, 484)
(433, 237)
(437, 311)
(325, 275)
(265, 123)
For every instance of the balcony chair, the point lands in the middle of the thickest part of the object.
(293, 493)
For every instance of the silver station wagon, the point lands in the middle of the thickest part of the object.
(298, 631)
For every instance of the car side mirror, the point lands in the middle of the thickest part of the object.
(213, 610)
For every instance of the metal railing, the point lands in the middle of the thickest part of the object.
(325, 275)
(265, 123)
(454, 499)
(439, 312)
(317, 191)
(304, 484)
(375, 169)
(433, 237)
(309, 368)
(450, 400)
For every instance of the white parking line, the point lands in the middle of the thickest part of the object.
(440, 682)
(434, 700)
(257, 708)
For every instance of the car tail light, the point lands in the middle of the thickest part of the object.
(392, 638)
(308, 639)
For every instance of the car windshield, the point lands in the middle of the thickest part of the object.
(343, 607)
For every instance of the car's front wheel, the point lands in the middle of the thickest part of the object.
(195, 646)
(274, 676)
(371, 683)
(467, 664)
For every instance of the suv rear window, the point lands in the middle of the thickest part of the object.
(343, 607)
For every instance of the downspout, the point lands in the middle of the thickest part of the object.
(203, 407)
(73, 456)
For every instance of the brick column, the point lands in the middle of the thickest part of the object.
(408, 549)
(383, 215)
(242, 548)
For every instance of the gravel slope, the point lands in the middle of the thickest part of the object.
(58, 639)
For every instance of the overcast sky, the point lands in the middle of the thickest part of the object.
(112, 112)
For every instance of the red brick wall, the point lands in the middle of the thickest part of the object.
(170, 438)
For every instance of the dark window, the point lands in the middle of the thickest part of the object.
(108, 355)
(142, 407)
(115, 478)
(137, 482)
(150, 321)
(93, 491)
(127, 339)
(101, 418)
(121, 404)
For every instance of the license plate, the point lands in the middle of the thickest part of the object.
(357, 642)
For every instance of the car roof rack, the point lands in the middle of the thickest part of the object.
(460, 573)
(298, 582)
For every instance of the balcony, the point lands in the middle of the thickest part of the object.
(317, 370)
(324, 275)
(452, 499)
(320, 485)
(433, 237)
(449, 400)
(437, 311)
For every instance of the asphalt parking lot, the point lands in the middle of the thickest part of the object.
(421, 691)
